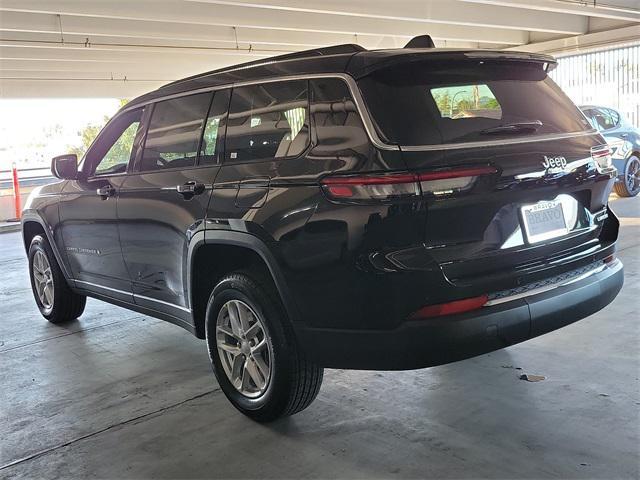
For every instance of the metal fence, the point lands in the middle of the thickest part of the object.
(29, 177)
(609, 78)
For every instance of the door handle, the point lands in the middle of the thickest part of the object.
(106, 191)
(190, 189)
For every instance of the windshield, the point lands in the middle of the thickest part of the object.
(432, 103)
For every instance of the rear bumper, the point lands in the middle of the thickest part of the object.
(425, 343)
(619, 164)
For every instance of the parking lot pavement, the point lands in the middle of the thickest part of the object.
(120, 395)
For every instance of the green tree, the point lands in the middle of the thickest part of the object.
(492, 103)
(443, 101)
(90, 132)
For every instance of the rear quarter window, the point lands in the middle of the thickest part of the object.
(431, 103)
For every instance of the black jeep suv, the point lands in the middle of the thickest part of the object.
(340, 208)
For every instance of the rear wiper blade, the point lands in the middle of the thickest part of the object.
(518, 127)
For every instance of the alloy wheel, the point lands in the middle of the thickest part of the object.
(632, 175)
(243, 348)
(43, 279)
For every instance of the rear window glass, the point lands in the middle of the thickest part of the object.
(431, 103)
(466, 101)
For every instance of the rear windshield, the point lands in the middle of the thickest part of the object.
(432, 103)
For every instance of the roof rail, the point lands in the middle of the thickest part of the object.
(314, 52)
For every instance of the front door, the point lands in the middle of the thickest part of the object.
(162, 205)
(88, 210)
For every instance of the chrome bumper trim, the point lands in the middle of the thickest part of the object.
(546, 288)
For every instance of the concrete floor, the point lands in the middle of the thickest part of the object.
(120, 395)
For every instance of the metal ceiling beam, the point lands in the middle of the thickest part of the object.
(73, 89)
(230, 16)
(447, 12)
(88, 48)
(127, 55)
(588, 42)
(623, 10)
(149, 70)
(179, 33)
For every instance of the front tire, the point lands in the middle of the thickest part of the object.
(55, 300)
(629, 185)
(253, 351)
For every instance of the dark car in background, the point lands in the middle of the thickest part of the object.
(340, 208)
(624, 140)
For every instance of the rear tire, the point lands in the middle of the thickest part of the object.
(55, 300)
(286, 381)
(629, 186)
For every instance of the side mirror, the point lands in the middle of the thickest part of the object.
(65, 167)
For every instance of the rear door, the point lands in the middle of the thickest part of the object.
(267, 131)
(504, 158)
(163, 202)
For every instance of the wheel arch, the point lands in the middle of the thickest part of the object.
(215, 254)
(32, 225)
(31, 228)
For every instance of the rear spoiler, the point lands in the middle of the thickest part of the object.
(547, 61)
(364, 63)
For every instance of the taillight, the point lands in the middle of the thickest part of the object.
(403, 185)
(447, 182)
(450, 308)
(602, 156)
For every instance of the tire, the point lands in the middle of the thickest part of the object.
(292, 381)
(60, 304)
(629, 184)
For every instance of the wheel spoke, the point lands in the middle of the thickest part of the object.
(259, 346)
(48, 293)
(244, 382)
(39, 289)
(244, 315)
(232, 349)
(262, 366)
(234, 319)
(253, 330)
(255, 374)
(226, 331)
(237, 369)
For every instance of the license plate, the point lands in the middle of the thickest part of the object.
(543, 220)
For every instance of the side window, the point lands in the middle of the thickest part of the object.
(212, 138)
(615, 117)
(174, 132)
(335, 116)
(267, 121)
(591, 116)
(114, 148)
(604, 119)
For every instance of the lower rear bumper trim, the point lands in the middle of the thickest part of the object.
(424, 343)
